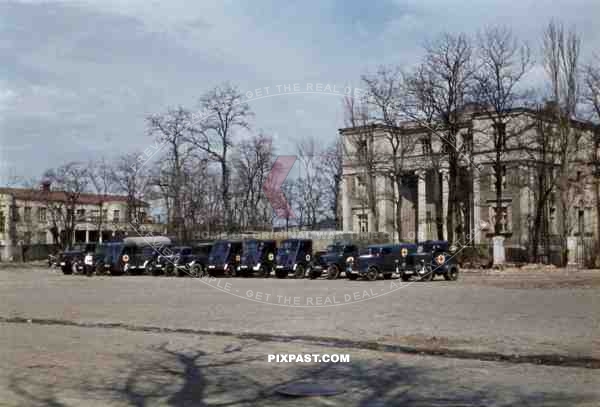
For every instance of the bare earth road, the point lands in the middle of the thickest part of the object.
(496, 339)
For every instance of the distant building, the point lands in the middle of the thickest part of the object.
(43, 216)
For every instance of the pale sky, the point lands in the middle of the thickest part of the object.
(77, 78)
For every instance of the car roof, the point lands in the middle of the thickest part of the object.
(147, 241)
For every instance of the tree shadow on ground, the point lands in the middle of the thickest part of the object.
(171, 377)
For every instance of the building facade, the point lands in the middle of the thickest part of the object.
(373, 200)
(43, 217)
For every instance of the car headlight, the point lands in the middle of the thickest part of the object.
(350, 259)
(453, 249)
(440, 259)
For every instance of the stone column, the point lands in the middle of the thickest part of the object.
(476, 232)
(421, 205)
(572, 246)
(498, 250)
(445, 191)
(346, 208)
(383, 204)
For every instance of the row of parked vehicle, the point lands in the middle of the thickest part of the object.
(251, 257)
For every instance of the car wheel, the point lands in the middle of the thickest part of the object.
(74, 268)
(66, 270)
(299, 272)
(372, 274)
(264, 272)
(451, 274)
(352, 277)
(333, 272)
(196, 271)
(404, 277)
(387, 276)
(169, 270)
(281, 274)
(428, 276)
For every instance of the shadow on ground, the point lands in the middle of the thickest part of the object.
(171, 377)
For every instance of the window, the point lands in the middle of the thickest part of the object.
(426, 146)
(505, 219)
(95, 215)
(500, 134)
(116, 216)
(468, 141)
(2, 220)
(41, 214)
(80, 214)
(70, 215)
(142, 217)
(363, 223)
(42, 238)
(493, 179)
(580, 221)
(27, 214)
(104, 214)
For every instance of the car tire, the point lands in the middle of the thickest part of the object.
(451, 274)
(74, 268)
(169, 269)
(404, 277)
(428, 276)
(299, 272)
(66, 270)
(372, 274)
(352, 277)
(196, 271)
(281, 273)
(264, 272)
(333, 272)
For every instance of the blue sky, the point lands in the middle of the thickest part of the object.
(78, 78)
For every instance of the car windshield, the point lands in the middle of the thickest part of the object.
(219, 252)
(251, 246)
(373, 250)
(288, 246)
(335, 248)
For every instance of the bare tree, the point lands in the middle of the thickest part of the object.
(561, 52)
(386, 97)
(225, 112)
(358, 149)
(592, 98)
(172, 130)
(102, 182)
(252, 161)
(502, 64)
(131, 177)
(333, 170)
(71, 179)
(448, 73)
(311, 182)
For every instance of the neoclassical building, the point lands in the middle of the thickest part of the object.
(423, 158)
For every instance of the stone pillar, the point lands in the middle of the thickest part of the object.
(498, 250)
(421, 206)
(476, 232)
(445, 192)
(383, 204)
(572, 247)
(346, 208)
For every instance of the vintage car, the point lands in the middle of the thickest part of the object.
(72, 260)
(195, 261)
(333, 261)
(428, 259)
(224, 257)
(258, 256)
(132, 255)
(293, 256)
(168, 260)
(376, 260)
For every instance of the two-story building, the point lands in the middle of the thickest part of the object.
(43, 217)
